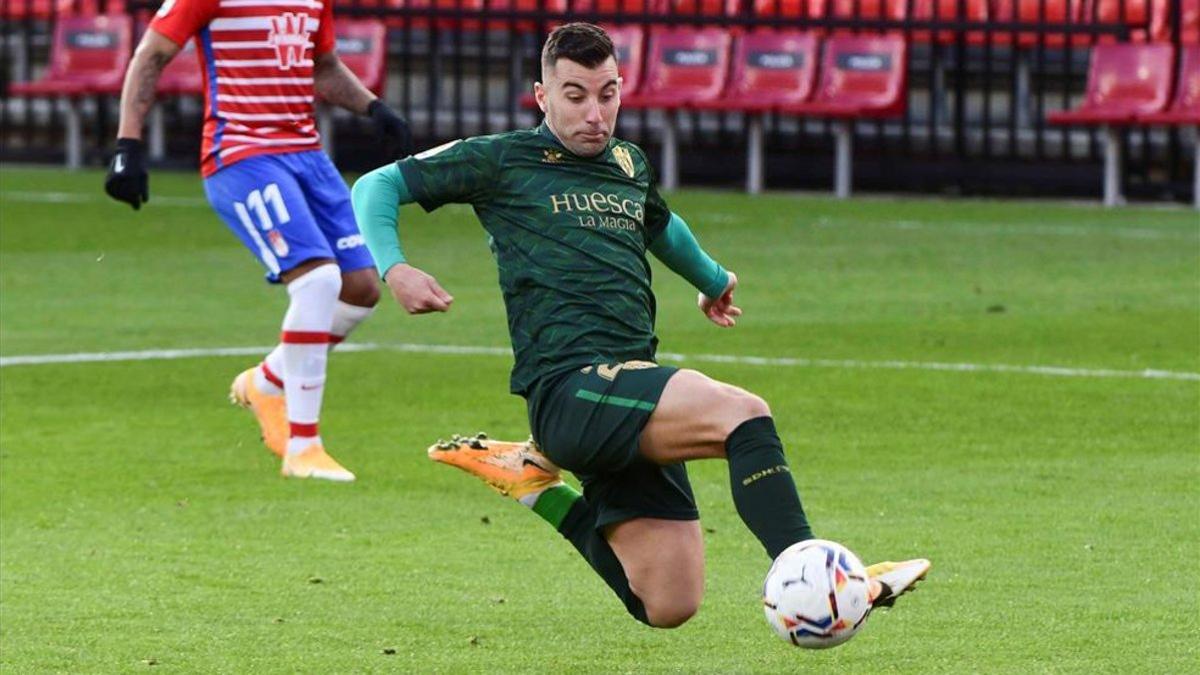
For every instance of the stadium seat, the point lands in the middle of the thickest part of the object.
(17, 10)
(622, 6)
(1189, 24)
(705, 7)
(1124, 81)
(947, 10)
(684, 66)
(860, 77)
(88, 56)
(1036, 12)
(895, 10)
(1184, 109)
(770, 69)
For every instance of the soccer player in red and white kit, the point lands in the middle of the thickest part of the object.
(267, 178)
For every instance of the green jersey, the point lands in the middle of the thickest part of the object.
(570, 236)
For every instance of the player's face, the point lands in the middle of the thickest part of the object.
(580, 104)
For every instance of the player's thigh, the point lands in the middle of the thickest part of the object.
(262, 202)
(329, 199)
(694, 416)
(664, 561)
(588, 420)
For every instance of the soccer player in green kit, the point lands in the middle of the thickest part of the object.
(572, 212)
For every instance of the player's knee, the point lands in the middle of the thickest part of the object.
(754, 406)
(672, 612)
(359, 290)
(324, 281)
(744, 406)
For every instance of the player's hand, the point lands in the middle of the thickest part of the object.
(721, 310)
(127, 180)
(392, 128)
(416, 291)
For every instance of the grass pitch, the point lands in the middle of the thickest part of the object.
(143, 527)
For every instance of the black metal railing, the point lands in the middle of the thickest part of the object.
(982, 77)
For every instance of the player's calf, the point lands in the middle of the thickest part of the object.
(664, 563)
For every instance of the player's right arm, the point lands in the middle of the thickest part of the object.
(175, 22)
(462, 172)
(377, 198)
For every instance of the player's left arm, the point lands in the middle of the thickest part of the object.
(670, 239)
(678, 249)
(335, 83)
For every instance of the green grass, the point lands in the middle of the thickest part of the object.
(141, 522)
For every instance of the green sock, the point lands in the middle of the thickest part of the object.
(570, 514)
(554, 503)
(763, 490)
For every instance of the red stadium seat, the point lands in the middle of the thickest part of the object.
(895, 10)
(685, 65)
(1040, 11)
(362, 46)
(1125, 81)
(705, 7)
(1160, 21)
(88, 56)
(1185, 107)
(1138, 16)
(58, 9)
(860, 77)
(770, 69)
(622, 6)
(947, 10)
(15, 10)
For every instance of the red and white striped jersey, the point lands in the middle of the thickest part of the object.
(257, 59)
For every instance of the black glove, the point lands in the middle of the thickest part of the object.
(392, 128)
(127, 180)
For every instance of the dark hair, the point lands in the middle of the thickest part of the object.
(584, 43)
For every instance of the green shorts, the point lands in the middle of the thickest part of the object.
(588, 421)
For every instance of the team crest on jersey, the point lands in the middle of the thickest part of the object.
(624, 159)
(289, 37)
(278, 243)
(552, 156)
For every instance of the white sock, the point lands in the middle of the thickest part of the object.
(346, 318)
(304, 347)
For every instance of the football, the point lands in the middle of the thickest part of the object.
(817, 594)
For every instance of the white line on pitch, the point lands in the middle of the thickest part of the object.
(790, 362)
(86, 198)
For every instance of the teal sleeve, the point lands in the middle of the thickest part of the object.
(377, 197)
(678, 249)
